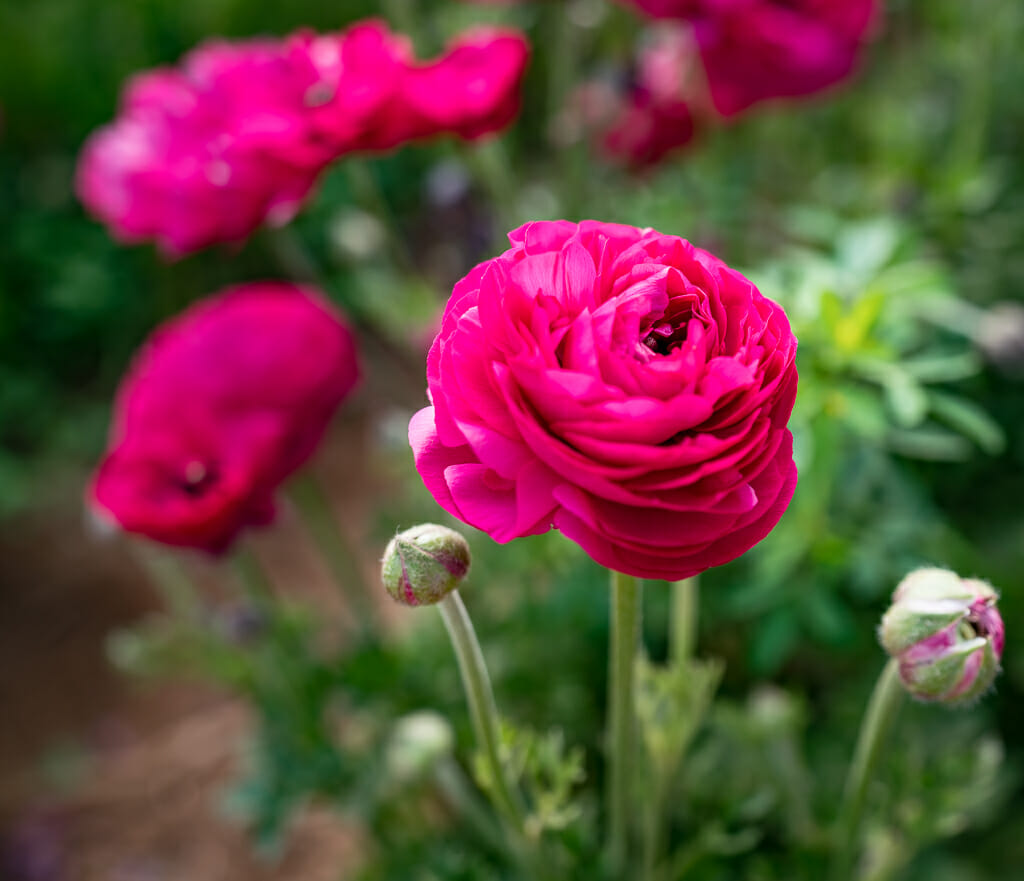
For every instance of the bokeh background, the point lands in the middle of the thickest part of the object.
(143, 741)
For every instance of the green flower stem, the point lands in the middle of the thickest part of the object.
(482, 709)
(490, 163)
(624, 643)
(885, 702)
(171, 579)
(300, 264)
(463, 798)
(368, 193)
(323, 528)
(255, 582)
(564, 40)
(683, 619)
(654, 828)
(684, 604)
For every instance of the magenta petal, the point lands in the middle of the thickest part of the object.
(619, 384)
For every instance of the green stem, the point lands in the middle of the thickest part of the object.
(368, 193)
(326, 533)
(878, 718)
(255, 582)
(171, 580)
(564, 42)
(482, 709)
(301, 265)
(683, 619)
(654, 827)
(491, 165)
(459, 793)
(685, 598)
(624, 643)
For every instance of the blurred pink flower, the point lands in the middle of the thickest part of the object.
(474, 88)
(754, 50)
(356, 80)
(237, 135)
(655, 115)
(618, 384)
(221, 404)
(204, 154)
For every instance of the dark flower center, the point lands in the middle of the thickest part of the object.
(197, 478)
(663, 338)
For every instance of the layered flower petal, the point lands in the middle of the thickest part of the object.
(618, 384)
(221, 405)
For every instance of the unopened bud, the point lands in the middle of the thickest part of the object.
(946, 634)
(424, 564)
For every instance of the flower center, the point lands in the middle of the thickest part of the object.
(664, 338)
(197, 478)
(978, 622)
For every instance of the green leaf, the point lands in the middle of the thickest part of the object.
(970, 420)
(907, 400)
(773, 640)
(933, 444)
(943, 368)
(548, 771)
(864, 248)
(671, 704)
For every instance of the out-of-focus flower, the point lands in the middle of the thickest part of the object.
(221, 405)
(655, 116)
(754, 50)
(203, 154)
(422, 565)
(237, 135)
(474, 88)
(946, 634)
(621, 385)
(352, 78)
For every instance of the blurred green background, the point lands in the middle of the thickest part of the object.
(887, 216)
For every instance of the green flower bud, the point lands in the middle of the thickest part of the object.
(946, 634)
(424, 564)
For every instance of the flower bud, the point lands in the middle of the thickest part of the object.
(423, 564)
(946, 634)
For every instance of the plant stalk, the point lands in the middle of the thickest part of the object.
(326, 533)
(885, 702)
(483, 710)
(624, 643)
(683, 619)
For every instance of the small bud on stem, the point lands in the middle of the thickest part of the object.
(424, 564)
(946, 634)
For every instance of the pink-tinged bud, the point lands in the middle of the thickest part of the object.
(946, 634)
(424, 564)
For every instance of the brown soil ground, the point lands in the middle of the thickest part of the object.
(102, 779)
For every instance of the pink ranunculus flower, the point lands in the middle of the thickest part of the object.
(238, 134)
(355, 81)
(206, 153)
(655, 116)
(474, 89)
(221, 405)
(618, 384)
(754, 50)
(646, 131)
(782, 49)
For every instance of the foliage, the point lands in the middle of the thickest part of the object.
(887, 219)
